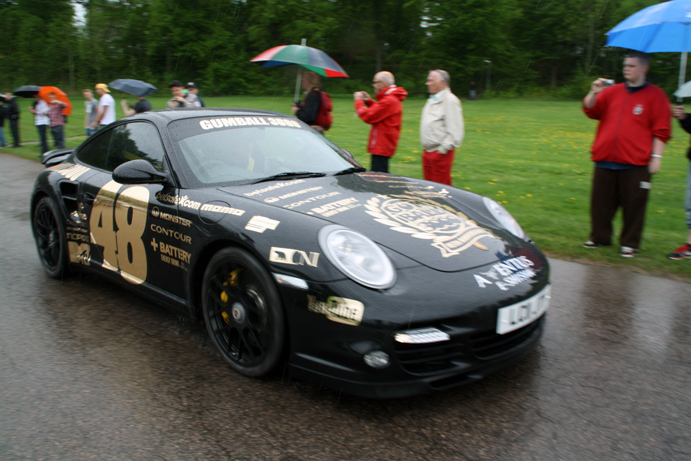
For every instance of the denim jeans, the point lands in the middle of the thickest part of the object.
(58, 136)
(2, 137)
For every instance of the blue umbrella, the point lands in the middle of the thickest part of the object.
(131, 86)
(664, 27)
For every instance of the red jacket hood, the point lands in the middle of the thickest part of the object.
(396, 91)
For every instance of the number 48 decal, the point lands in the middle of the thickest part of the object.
(117, 223)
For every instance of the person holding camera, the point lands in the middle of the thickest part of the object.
(634, 125)
(385, 114)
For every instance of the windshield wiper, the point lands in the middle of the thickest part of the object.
(291, 175)
(353, 169)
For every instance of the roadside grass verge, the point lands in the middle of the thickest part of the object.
(530, 155)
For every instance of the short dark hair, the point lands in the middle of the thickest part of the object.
(643, 58)
(175, 83)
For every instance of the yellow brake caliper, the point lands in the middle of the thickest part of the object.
(233, 283)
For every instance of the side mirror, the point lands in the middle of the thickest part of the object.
(138, 172)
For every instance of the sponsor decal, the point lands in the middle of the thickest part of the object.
(290, 206)
(507, 274)
(70, 172)
(261, 223)
(175, 219)
(341, 310)
(226, 122)
(449, 230)
(292, 194)
(278, 185)
(222, 209)
(80, 253)
(171, 254)
(293, 257)
(336, 207)
(183, 201)
(77, 237)
(171, 233)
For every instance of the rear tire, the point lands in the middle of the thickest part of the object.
(242, 311)
(49, 234)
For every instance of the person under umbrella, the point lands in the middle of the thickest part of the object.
(142, 105)
(40, 110)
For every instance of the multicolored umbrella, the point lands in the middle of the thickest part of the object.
(310, 58)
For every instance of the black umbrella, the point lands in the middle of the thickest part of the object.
(27, 91)
(131, 86)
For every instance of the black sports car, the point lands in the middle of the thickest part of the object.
(378, 285)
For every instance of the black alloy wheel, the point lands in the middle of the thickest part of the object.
(49, 233)
(242, 311)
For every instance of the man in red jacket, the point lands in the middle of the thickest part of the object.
(385, 116)
(634, 127)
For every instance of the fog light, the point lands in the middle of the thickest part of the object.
(377, 359)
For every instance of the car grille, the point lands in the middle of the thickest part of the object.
(423, 359)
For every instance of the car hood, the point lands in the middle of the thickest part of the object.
(441, 227)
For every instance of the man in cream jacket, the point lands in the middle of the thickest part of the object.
(441, 128)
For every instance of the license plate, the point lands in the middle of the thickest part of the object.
(518, 315)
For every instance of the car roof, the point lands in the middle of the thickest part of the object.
(165, 116)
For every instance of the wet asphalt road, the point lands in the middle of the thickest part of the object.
(89, 371)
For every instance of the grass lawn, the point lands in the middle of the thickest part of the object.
(530, 155)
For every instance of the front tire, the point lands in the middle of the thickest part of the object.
(49, 234)
(242, 311)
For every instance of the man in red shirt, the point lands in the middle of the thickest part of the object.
(385, 116)
(634, 127)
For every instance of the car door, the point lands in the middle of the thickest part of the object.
(135, 232)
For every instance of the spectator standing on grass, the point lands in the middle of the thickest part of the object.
(194, 89)
(106, 107)
(91, 111)
(57, 120)
(13, 115)
(42, 121)
(3, 114)
(441, 128)
(684, 251)
(385, 115)
(142, 105)
(634, 125)
(180, 99)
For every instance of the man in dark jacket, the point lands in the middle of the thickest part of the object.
(13, 115)
(308, 109)
(385, 115)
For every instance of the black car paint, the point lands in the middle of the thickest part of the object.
(428, 291)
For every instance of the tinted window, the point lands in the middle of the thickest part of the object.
(247, 149)
(95, 151)
(136, 140)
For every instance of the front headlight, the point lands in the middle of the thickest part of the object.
(504, 217)
(357, 256)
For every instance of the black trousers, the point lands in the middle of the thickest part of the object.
(380, 163)
(614, 189)
(14, 127)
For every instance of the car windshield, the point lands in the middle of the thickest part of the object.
(241, 150)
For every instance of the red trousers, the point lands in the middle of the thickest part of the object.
(437, 167)
(613, 189)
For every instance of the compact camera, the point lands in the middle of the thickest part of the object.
(608, 82)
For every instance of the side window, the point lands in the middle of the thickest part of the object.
(135, 140)
(95, 151)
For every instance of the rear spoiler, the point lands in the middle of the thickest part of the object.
(53, 157)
